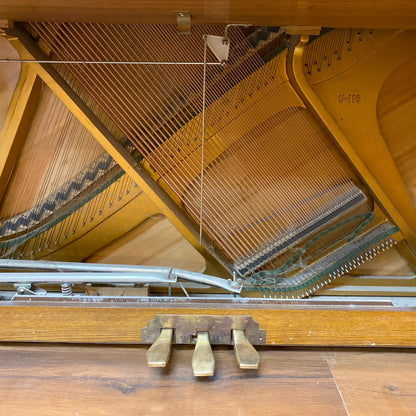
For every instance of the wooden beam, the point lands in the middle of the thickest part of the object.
(294, 324)
(29, 50)
(16, 126)
(330, 13)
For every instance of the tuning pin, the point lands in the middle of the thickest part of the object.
(245, 354)
(203, 362)
(159, 352)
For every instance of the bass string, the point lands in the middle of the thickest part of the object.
(44, 243)
(77, 134)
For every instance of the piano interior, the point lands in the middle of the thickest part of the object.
(240, 164)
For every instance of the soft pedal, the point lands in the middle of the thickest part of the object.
(158, 354)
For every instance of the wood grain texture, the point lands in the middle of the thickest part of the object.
(111, 381)
(348, 13)
(375, 383)
(56, 148)
(389, 263)
(396, 110)
(9, 75)
(17, 123)
(155, 242)
(116, 221)
(74, 380)
(351, 123)
(284, 325)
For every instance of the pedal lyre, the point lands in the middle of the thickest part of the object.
(203, 331)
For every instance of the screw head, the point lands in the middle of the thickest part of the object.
(224, 63)
(225, 42)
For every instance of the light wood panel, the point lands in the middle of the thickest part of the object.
(155, 242)
(56, 148)
(17, 123)
(330, 13)
(390, 263)
(116, 221)
(9, 74)
(285, 324)
(396, 110)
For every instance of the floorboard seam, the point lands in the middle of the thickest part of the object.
(339, 391)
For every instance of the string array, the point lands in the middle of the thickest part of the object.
(269, 178)
(78, 184)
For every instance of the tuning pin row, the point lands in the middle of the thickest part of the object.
(347, 267)
(362, 258)
(203, 361)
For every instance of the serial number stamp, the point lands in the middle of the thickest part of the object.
(349, 98)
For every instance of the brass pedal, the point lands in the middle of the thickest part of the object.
(246, 355)
(203, 361)
(159, 352)
(240, 331)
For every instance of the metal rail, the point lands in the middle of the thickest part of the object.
(51, 61)
(68, 272)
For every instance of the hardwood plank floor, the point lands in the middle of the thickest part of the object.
(79, 381)
(38, 379)
(375, 383)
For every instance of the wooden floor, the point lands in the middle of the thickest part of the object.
(89, 380)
